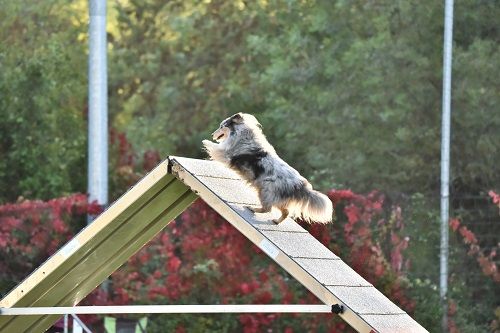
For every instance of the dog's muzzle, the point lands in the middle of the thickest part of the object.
(218, 134)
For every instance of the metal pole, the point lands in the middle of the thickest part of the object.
(123, 309)
(445, 159)
(81, 323)
(98, 105)
(65, 323)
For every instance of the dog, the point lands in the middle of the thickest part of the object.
(242, 146)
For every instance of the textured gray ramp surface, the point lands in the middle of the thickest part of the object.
(293, 248)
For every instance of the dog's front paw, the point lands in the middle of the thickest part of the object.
(208, 143)
(210, 148)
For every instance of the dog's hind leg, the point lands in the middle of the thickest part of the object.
(263, 209)
(284, 215)
(266, 204)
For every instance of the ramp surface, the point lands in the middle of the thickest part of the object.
(294, 249)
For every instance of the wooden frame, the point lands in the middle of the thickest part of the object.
(98, 250)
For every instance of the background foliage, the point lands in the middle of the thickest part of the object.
(349, 92)
(42, 104)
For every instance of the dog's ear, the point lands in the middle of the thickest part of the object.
(237, 118)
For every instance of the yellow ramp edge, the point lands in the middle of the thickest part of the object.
(294, 249)
(98, 250)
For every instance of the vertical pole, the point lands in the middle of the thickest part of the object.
(445, 159)
(65, 323)
(98, 109)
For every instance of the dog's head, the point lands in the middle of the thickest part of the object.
(235, 124)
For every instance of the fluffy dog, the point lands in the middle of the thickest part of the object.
(243, 147)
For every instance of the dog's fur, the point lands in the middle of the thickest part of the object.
(243, 147)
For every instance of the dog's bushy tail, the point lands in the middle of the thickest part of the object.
(315, 207)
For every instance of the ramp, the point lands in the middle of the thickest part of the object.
(103, 246)
(294, 249)
(98, 250)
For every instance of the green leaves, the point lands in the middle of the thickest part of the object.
(43, 89)
(338, 86)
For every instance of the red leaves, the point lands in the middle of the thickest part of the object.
(94, 208)
(59, 226)
(489, 267)
(454, 224)
(250, 323)
(382, 267)
(173, 264)
(264, 297)
(7, 224)
(144, 257)
(32, 230)
(121, 296)
(3, 239)
(202, 257)
(340, 195)
(126, 156)
(201, 254)
(468, 236)
(486, 262)
(495, 197)
(245, 288)
(353, 214)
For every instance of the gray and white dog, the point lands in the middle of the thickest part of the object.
(243, 147)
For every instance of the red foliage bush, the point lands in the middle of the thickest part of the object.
(30, 231)
(200, 258)
(487, 261)
(367, 231)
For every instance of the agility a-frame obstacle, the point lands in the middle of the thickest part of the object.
(99, 249)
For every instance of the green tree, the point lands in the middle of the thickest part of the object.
(179, 67)
(42, 104)
(339, 86)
